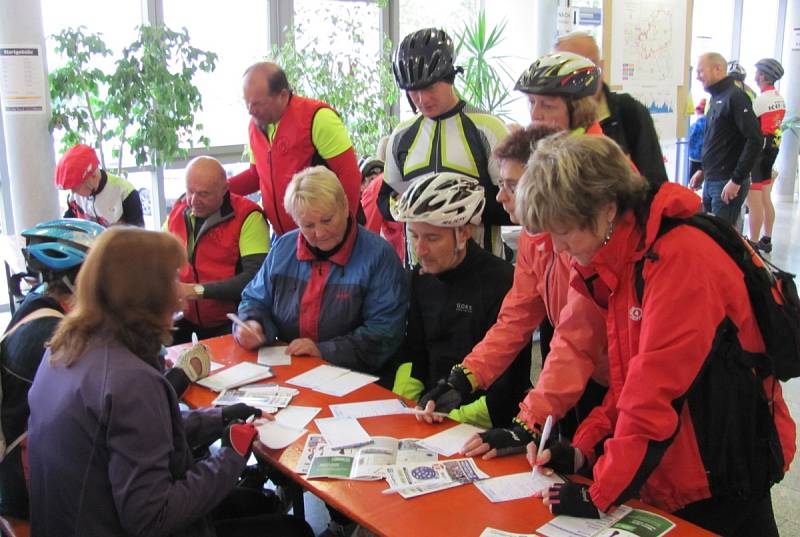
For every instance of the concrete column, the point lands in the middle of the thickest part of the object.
(546, 13)
(28, 144)
(790, 90)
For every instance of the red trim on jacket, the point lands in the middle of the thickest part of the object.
(215, 257)
(314, 292)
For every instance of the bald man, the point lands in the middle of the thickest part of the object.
(289, 133)
(731, 143)
(622, 118)
(226, 239)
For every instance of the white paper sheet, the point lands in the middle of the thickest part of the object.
(345, 384)
(570, 526)
(296, 417)
(237, 375)
(491, 532)
(274, 356)
(515, 486)
(342, 432)
(449, 442)
(368, 409)
(276, 435)
(213, 366)
(317, 376)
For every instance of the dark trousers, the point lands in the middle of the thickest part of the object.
(184, 329)
(249, 513)
(733, 517)
(712, 200)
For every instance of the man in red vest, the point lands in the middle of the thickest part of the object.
(289, 133)
(226, 239)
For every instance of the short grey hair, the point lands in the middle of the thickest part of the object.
(316, 187)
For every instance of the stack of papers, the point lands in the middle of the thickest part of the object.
(289, 425)
(332, 380)
(410, 480)
(342, 432)
(367, 462)
(274, 356)
(624, 522)
(267, 397)
(450, 442)
(235, 376)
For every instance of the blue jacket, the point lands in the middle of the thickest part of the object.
(696, 138)
(353, 305)
(110, 451)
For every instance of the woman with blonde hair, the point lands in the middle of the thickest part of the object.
(110, 451)
(674, 351)
(329, 288)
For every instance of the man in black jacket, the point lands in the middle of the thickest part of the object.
(731, 143)
(622, 118)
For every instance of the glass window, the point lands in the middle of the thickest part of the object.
(240, 37)
(712, 31)
(759, 27)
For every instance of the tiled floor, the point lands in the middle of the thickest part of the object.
(786, 495)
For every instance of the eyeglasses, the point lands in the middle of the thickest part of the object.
(509, 185)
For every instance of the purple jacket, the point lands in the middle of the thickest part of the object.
(110, 451)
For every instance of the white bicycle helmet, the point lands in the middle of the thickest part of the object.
(441, 199)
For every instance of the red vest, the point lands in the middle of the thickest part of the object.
(291, 150)
(216, 254)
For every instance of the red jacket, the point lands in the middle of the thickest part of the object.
(577, 351)
(655, 353)
(215, 256)
(391, 231)
(291, 151)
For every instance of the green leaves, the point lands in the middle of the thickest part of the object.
(486, 79)
(147, 103)
(357, 83)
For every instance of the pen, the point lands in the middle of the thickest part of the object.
(194, 338)
(241, 324)
(392, 490)
(548, 426)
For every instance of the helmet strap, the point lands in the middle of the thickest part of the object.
(70, 286)
(411, 103)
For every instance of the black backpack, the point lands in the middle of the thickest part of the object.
(772, 291)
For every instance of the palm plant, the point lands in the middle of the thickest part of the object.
(487, 82)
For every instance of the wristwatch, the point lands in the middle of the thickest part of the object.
(199, 290)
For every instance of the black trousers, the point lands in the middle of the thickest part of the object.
(733, 517)
(249, 513)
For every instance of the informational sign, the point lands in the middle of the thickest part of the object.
(22, 84)
(795, 39)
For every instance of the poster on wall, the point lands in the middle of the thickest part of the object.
(22, 83)
(661, 101)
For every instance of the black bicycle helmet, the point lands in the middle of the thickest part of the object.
(423, 58)
(772, 69)
(560, 73)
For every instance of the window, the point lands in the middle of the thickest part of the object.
(759, 27)
(712, 31)
(239, 35)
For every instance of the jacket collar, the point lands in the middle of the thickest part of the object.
(629, 242)
(450, 113)
(340, 258)
(722, 85)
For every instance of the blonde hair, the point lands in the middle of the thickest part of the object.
(582, 112)
(125, 290)
(316, 187)
(570, 178)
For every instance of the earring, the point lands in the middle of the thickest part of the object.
(609, 232)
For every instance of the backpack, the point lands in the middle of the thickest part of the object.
(730, 411)
(6, 448)
(772, 292)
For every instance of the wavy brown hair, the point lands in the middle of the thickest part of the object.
(126, 291)
(570, 178)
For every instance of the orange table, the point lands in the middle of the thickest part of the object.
(460, 511)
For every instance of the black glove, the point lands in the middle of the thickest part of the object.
(572, 499)
(450, 393)
(239, 411)
(564, 457)
(240, 437)
(510, 440)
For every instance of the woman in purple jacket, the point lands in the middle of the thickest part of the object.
(110, 452)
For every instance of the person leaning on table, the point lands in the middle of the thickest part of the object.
(330, 288)
(673, 366)
(110, 450)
